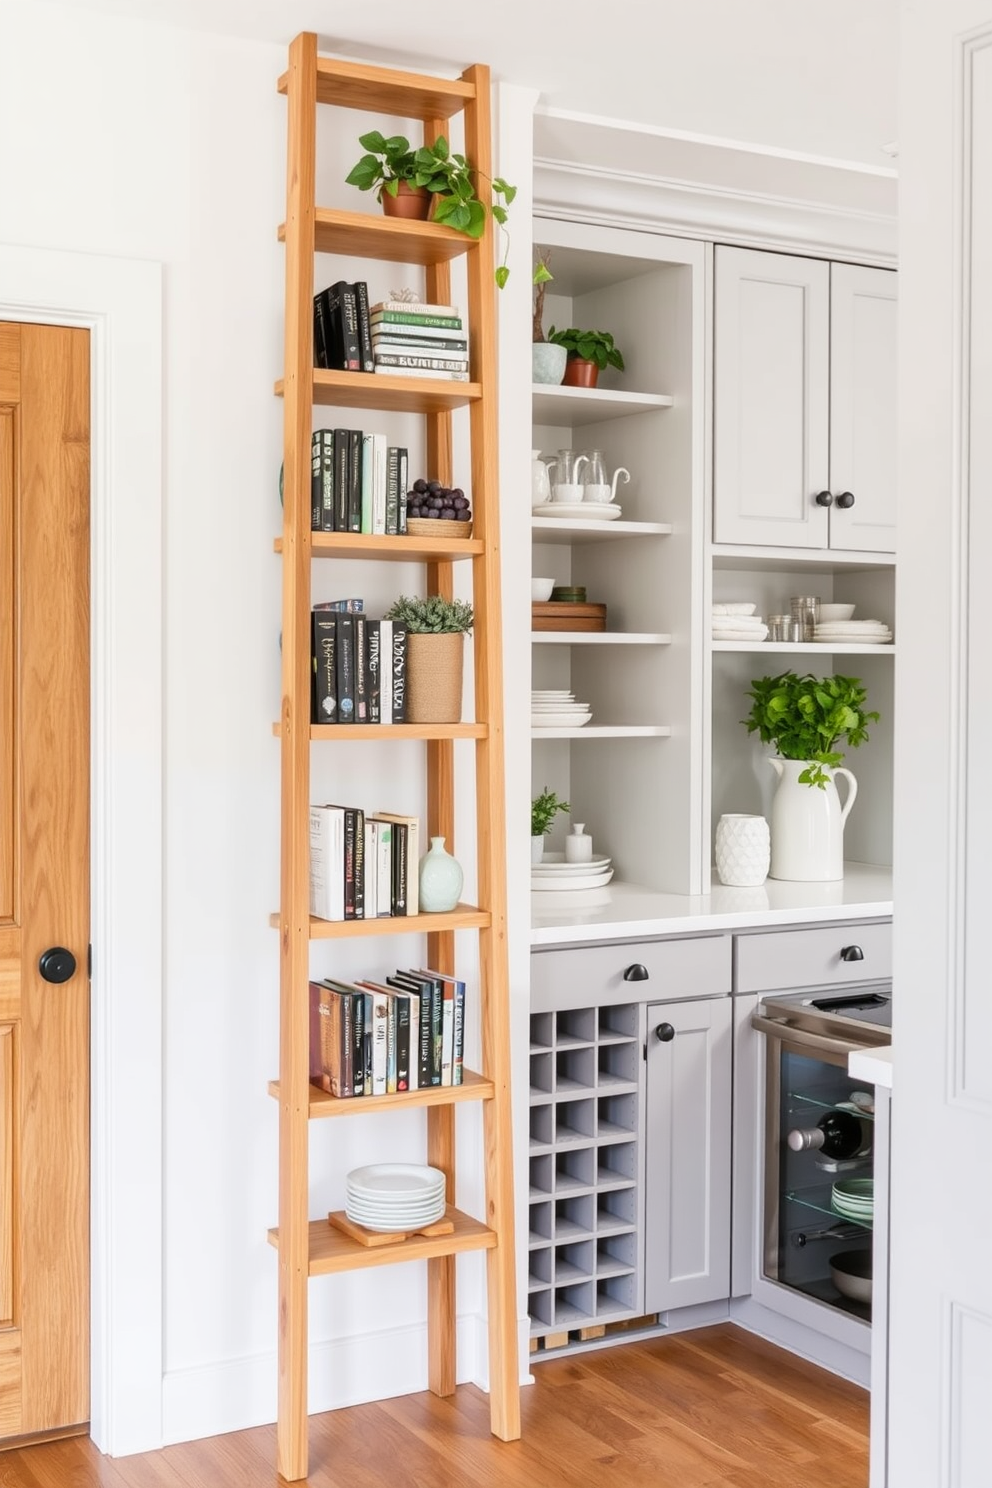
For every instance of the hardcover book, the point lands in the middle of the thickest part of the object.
(393, 490)
(405, 360)
(404, 317)
(384, 869)
(325, 1039)
(316, 481)
(373, 670)
(327, 862)
(361, 670)
(404, 487)
(364, 324)
(345, 660)
(379, 450)
(327, 500)
(412, 836)
(412, 307)
(457, 988)
(399, 673)
(342, 452)
(370, 870)
(343, 302)
(412, 339)
(385, 671)
(438, 376)
(354, 480)
(320, 331)
(324, 697)
(367, 481)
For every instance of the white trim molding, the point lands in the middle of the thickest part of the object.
(120, 302)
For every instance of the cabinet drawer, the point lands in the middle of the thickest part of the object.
(594, 975)
(811, 958)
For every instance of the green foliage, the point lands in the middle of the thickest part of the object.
(432, 615)
(447, 175)
(542, 278)
(543, 810)
(591, 346)
(806, 717)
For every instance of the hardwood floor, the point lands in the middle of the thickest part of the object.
(716, 1408)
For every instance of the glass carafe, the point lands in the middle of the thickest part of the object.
(595, 481)
(566, 475)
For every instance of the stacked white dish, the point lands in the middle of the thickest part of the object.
(557, 708)
(736, 621)
(395, 1196)
(858, 632)
(854, 1198)
(581, 511)
(553, 873)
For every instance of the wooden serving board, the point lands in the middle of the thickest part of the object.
(567, 615)
(339, 1219)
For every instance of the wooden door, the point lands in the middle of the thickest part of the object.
(940, 1293)
(863, 376)
(771, 391)
(44, 878)
(687, 1153)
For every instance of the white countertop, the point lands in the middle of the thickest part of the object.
(872, 1065)
(625, 911)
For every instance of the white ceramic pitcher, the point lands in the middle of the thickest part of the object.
(807, 824)
(540, 480)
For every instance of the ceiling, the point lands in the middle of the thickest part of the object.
(814, 77)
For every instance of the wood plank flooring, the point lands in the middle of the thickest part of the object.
(716, 1408)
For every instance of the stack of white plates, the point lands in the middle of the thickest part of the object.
(557, 708)
(395, 1196)
(854, 1198)
(554, 873)
(860, 632)
(578, 511)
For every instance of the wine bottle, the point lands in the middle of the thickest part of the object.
(838, 1134)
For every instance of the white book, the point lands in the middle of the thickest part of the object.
(384, 340)
(414, 1051)
(380, 445)
(385, 670)
(421, 372)
(412, 857)
(383, 869)
(371, 868)
(412, 307)
(327, 862)
(380, 1032)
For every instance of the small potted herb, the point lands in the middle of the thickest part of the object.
(432, 181)
(543, 810)
(435, 655)
(549, 358)
(589, 353)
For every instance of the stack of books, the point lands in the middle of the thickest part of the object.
(413, 339)
(358, 483)
(363, 867)
(380, 1038)
(342, 339)
(358, 665)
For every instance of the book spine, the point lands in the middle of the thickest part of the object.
(379, 447)
(359, 863)
(367, 1040)
(385, 671)
(347, 1080)
(367, 483)
(341, 606)
(316, 482)
(413, 1039)
(326, 863)
(319, 1038)
(342, 439)
(402, 1002)
(411, 343)
(398, 672)
(447, 1032)
(380, 1033)
(325, 695)
(354, 480)
(373, 670)
(332, 329)
(411, 359)
(402, 318)
(391, 1086)
(319, 332)
(345, 643)
(370, 870)
(327, 480)
(399, 868)
(349, 863)
(418, 309)
(364, 325)
(347, 310)
(384, 871)
(358, 1043)
(392, 490)
(438, 375)
(361, 670)
(437, 1031)
(458, 1052)
(404, 482)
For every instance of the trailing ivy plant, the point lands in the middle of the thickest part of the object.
(543, 810)
(807, 717)
(446, 175)
(433, 615)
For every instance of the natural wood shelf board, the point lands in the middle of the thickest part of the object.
(393, 730)
(804, 648)
(388, 394)
(382, 90)
(573, 406)
(465, 917)
(473, 1088)
(391, 549)
(332, 1251)
(600, 638)
(569, 531)
(392, 239)
(606, 731)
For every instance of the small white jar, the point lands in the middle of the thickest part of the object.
(743, 850)
(578, 845)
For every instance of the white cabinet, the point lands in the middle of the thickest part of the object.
(804, 403)
(687, 1154)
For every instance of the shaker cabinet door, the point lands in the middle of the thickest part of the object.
(771, 391)
(863, 408)
(687, 1154)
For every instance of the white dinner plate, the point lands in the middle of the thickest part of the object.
(559, 720)
(548, 884)
(395, 1178)
(593, 511)
(554, 862)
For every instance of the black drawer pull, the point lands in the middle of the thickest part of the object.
(852, 953)
(636, 973)
(665, 1032)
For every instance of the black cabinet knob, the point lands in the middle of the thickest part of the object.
(824, 498)
(665, 1032)
(636, 973)
(852, 953)
(845, 499)
(57, 964)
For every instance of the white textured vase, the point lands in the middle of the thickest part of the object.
(807, 824)
(441, 879)
(742, 850)
(549, 362)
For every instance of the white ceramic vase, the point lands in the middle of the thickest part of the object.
(578, 845)
(807, 824)
(441, 879)
(549, 362)
(537, 849)
(742, 850)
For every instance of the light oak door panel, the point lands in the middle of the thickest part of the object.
(771, 389)
(863, 385)
(44, 802)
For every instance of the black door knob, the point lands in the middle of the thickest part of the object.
(636, 973)
(852, 953)
(665, 1032)
(57, 964)
(824, 498)
(845, 499)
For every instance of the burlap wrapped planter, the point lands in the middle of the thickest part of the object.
(434, 668)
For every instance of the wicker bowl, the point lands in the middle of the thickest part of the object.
(431, 527)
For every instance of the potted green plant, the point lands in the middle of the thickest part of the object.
(806, 717)
(549, 358)
(432, 181)
(436, 628)
(589, 353)
(543, 810)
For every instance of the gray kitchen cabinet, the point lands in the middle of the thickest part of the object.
(687, 1153)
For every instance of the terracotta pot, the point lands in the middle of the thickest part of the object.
(409, 201)
(580, 373)
(434, 664)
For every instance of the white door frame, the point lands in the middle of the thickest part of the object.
(120, 302)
